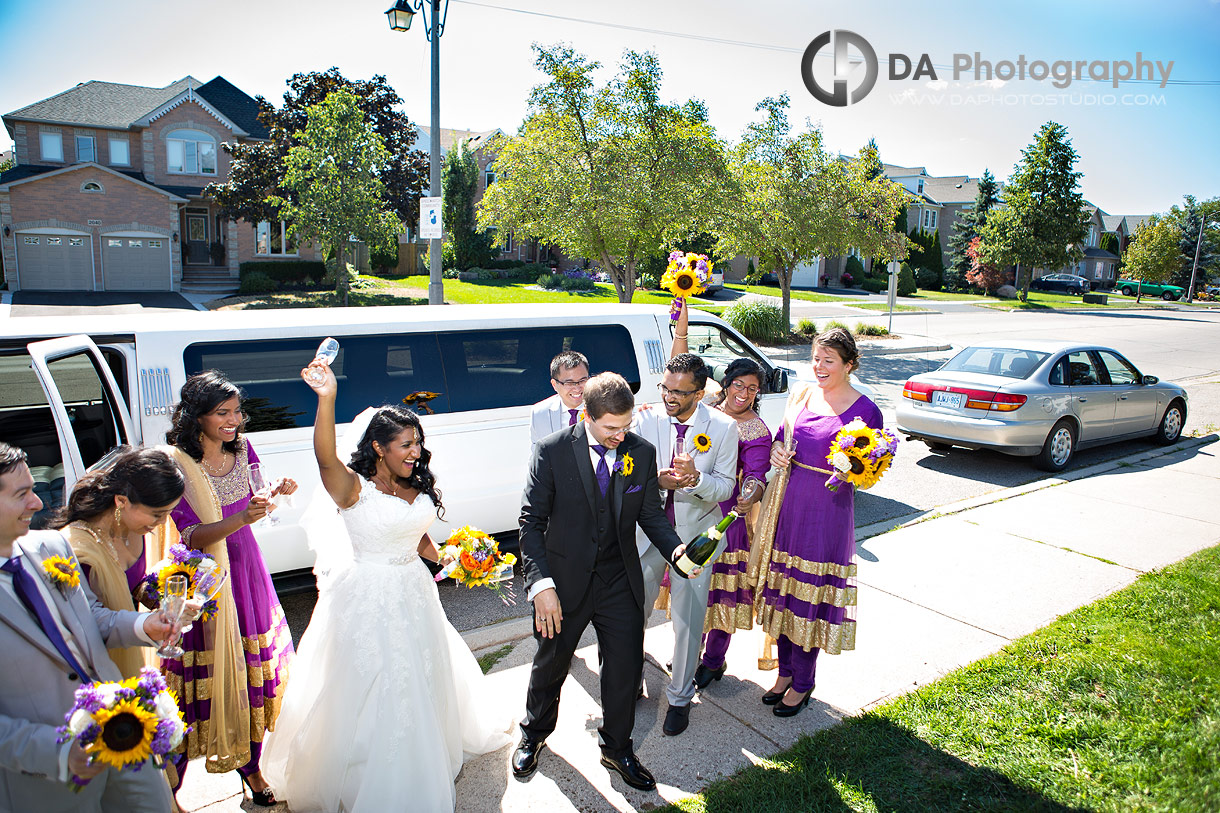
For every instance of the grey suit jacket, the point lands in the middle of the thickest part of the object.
(548, 415)
(697, 509)
(36, 690)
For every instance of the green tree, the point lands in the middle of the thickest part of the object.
(966, 229)
(460, 182)
(935, 258)
(257, 169)
(1154, 254)
(332, 178)
(612, 172)
(1190, 217)
(1042, 223)
(795, 202)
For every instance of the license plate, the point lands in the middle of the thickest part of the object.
(947, 399)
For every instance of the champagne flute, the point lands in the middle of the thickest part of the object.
(172, 605)
(209, 578)
(328, 351)
(261, 488)
(750, 486)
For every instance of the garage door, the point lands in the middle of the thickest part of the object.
(54, 262)
(135, 263)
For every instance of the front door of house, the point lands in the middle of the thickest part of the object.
(196, 241)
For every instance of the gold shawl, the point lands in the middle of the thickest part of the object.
(224, 739)
(109, 582)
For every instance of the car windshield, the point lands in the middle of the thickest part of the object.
(1008, 362)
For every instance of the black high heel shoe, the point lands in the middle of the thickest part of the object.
(771, 698)
(784, 710)
(262, 798)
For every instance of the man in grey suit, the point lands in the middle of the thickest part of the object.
(53, 642)
(569, 372)
(692, 484)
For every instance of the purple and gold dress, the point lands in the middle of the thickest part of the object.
(730, 602)
(265, 637)
(810, 595)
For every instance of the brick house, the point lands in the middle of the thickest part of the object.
(107, 190)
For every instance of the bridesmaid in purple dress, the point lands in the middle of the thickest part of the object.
(730, 602)
(238, 661)
(808, 602)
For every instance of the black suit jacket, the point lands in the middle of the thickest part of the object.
(558, 527)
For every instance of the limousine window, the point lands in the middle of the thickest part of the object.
(431, 373)
(718, 348)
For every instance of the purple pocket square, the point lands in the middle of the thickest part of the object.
(633, 489)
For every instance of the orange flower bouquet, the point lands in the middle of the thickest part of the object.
(475, 560)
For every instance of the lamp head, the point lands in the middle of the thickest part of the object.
(399, 15)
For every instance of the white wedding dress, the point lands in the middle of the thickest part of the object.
(385, 699)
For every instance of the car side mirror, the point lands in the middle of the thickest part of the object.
(777, 381)
(1149, 380)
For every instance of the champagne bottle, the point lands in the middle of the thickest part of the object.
(699, 551)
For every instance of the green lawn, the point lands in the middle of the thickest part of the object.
(1042, 300)
(882, 306)
(1113, 707)
(770, 290)
(950, 297)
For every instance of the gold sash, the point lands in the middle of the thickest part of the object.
(223, 740)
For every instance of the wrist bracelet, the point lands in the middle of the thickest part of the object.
(679, 335)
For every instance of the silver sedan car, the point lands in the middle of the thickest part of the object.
(1039, 398)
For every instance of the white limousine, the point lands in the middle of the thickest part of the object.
(73, 388)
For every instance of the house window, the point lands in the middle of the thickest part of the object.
(272, 240)
(919, 186)
(86, 148)
(508, 242)
(55, 241)
(489, 177)
(51, 146)
(31, 241)
(91, 186)
(120, 152)
(190, 152)
(112, 243)
(135, 244)
(154, 244)
(76, 241)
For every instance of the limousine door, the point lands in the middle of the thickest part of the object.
(90, 416)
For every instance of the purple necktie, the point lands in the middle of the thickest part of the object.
(27, 591)
(572, 420)
(603, 471)
(680, 428)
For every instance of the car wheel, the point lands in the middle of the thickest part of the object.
(1171, 423)
(1058, 449)
(1128, 291)
(937, 446)
(1168, 296)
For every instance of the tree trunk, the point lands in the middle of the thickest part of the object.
(1023, 281)
(623, 278)
(785, 286)
(342, 283)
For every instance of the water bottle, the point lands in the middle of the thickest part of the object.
(328, 351)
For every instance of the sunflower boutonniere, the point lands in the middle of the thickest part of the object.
(62, 572)
(702, 443)
(624, 465)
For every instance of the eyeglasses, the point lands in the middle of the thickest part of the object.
(571, 383)
(680, 393)
(741, 387)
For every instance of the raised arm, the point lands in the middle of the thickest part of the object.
(340, 482)
(681, 327)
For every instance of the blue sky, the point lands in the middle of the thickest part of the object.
(1142, 147)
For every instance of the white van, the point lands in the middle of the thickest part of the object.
(73, 388)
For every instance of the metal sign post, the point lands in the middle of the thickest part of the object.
(892, 292)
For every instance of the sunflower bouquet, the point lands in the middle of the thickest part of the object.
(860, 454)
(123, 724)
(476, 561)
(686, 275)
(195, 566)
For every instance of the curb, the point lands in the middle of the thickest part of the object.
(887, 525)
(503, 632)
(872, 350)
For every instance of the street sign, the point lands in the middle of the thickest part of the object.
(430, 225)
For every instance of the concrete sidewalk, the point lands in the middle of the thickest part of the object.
(934, 594)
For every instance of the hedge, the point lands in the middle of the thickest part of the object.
(286, 271)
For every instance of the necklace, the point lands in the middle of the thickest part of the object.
(393, 492)
(224, 458)
(108, 542)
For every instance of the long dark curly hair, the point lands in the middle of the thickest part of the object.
(736, 369)
(387, 423)
(201, 394)
(144, 476)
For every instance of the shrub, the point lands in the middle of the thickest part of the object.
(906, 281)
(834, 323)
(286, 271)
(807, 327)
(926, 279)
(648, 280)
(257, 283)
(384, 256)
(854, 269)
(757, 319)
(752, 276)
(567, 281)
(874, 285)
(865, 329)
(504, 265)
(448, 258)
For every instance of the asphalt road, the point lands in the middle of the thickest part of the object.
(1177, 345)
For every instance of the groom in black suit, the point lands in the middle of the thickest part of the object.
(589, 486)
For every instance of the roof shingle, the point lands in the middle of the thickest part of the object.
(102, 104)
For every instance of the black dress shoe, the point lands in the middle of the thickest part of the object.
(784, 710)
(525, 758)
(771, 698)
(704, 676)
(633, 773)
(676, 720)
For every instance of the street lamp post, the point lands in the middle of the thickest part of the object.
(1194, 269)
(399, 17)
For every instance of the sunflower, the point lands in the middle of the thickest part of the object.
(702, 443)
(628, 464)
(175, 569)
(683, 284)
(62, 571)
(126, 735)
(858, 435)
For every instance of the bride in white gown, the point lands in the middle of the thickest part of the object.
(385, 700)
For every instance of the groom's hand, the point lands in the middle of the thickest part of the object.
(548, 616)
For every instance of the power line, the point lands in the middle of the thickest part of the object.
(762, 46)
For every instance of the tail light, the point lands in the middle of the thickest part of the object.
(917, 391)
(975, 399)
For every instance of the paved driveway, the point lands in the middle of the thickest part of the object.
(74, 303)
